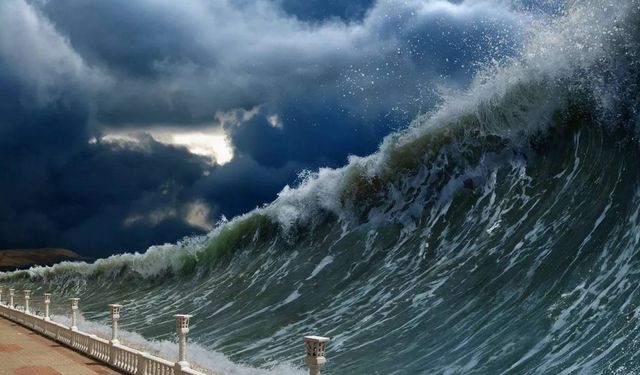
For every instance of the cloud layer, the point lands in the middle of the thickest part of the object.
(101, 99)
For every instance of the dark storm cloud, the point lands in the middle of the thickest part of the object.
(319, 10)
(58, 191)
(267, 139)
(309, 82)
(243, 184)
(119, 197)
(56, 187)
(184, 61)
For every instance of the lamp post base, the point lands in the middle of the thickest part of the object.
(181, 366)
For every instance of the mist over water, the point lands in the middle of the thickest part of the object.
(498, 234)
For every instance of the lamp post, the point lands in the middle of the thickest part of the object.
(47, 301)
(114, 310)
(182, 328)
(315, 347)
(27, 296)
(74, 312)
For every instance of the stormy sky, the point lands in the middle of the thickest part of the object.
(125, 124)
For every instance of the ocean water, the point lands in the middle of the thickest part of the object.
(499, 234)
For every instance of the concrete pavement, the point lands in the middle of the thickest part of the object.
(24, 352)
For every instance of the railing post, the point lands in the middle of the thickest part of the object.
(91, 344)
(114, 310)
(113, 353)
(182, 328)
(74, 313)
(27, 296)
(315, 347)
(11, 291)
(0, 296)
(47, 301)
(142, 363)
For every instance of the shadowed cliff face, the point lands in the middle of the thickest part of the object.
(23, 258)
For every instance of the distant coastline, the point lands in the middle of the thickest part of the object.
(16, 259)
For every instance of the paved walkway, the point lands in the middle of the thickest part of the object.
(24, 352)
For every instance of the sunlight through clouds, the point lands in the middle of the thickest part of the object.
(213, 144)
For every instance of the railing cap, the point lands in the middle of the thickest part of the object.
(114, 310)
(182, 322)
(74, 302)
(317, 339)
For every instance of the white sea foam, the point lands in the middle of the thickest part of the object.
(200, 357)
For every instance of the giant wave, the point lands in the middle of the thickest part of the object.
(496, 234)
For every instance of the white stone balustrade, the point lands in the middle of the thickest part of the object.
(315, 347)
(125, 359)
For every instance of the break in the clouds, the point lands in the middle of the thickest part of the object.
(128, 123)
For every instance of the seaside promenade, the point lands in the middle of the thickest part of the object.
(24, 352)
(34, 344)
